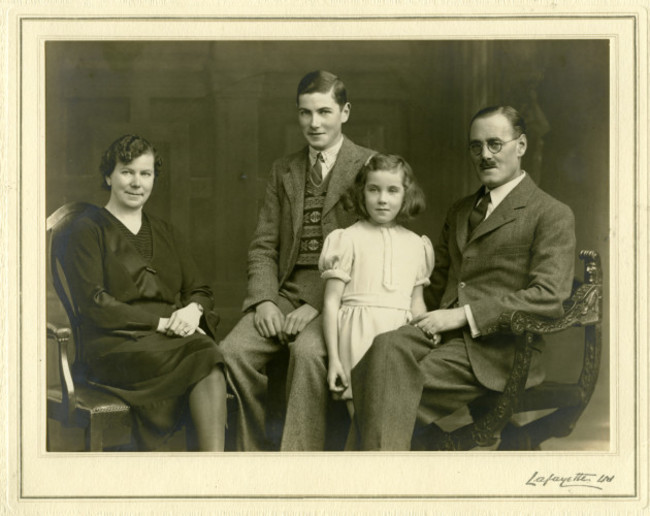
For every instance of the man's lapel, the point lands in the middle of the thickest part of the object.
(506, 211)
(462, 218)
(294, 184)
(342, 175)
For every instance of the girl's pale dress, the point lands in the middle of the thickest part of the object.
(380, 267)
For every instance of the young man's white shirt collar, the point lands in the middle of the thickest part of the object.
(329, 156)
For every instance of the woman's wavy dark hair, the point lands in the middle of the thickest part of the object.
(124, 150)
(414, 202)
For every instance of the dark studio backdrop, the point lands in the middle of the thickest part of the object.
(221, 112)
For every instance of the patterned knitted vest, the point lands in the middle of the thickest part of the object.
(311, 237)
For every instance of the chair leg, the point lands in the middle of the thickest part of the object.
(556, 424)
(430, 438)
(516, 438)
(559, 423)
(95, 434)
(338, 426)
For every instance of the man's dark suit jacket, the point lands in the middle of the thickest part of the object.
(520, 258)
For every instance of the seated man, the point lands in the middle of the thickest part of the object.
(509, 247)
(285, 293)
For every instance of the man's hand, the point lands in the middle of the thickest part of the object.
(296, 321)
(434, 323)
(269, 320)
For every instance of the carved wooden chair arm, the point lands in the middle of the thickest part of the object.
(583, 308)
(62, 338)
(583, 311)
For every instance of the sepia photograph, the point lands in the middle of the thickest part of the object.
(218, 126)
(390, 259)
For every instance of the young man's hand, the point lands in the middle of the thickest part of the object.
(296, 321)
(269, 320)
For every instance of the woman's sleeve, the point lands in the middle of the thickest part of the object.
(337, 256)
(426, 264)
(84, 271)
(193, 288)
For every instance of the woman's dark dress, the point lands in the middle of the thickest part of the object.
(121, 295)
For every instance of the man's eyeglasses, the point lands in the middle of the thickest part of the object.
(494, 146)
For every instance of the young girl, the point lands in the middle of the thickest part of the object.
(375, 270)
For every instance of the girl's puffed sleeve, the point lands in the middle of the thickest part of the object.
(337, 256)
(426, 265)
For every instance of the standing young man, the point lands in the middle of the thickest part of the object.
(302, 205)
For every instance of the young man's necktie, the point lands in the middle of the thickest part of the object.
(316, 173)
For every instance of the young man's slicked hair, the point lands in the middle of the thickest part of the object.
(321, 81)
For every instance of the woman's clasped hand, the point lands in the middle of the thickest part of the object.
(183, 322)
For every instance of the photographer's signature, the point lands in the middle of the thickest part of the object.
(593, 480)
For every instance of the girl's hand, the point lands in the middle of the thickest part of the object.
(184, 321)
(435, 338)
(336, 378)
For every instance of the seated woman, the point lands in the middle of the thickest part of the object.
(143, 307)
